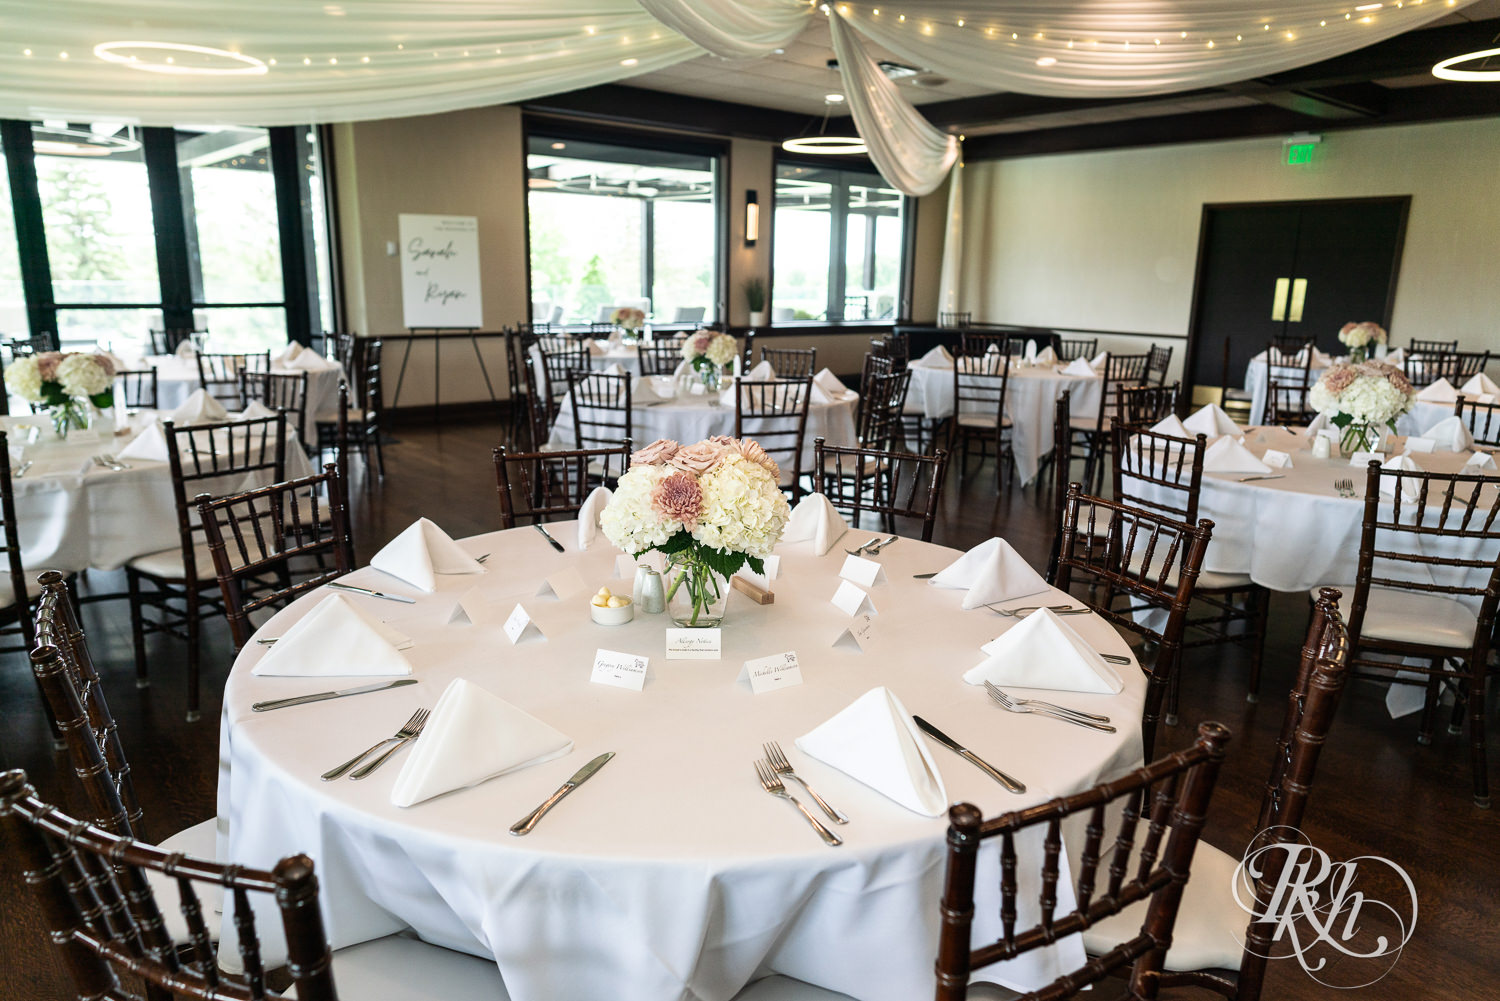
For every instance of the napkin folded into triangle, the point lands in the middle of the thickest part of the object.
(185, 350)
(1212, 421)
(826, 388)
(760, 372)
(938, 357)
(1030, 353)
(1080, 368)
(199, 408)
(644, 390)
(613, 368)
(1481, 385)
(421, 552)
(815, 520)
(336, 639)
(597, 350)
(1227, 455)
(1317, 424)
(286, 354)
(254, 411)
(1172, 425)
(1043, 651)
(588, 515)
(471, 736)
(1046, 356)
(1099, 360)
(150, 445)
(875, 741)
(1450, 433)
(992, 572)
(310, 361)
(1409, 487)
(1441, 391)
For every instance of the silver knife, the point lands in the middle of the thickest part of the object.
(969, 756)
(371, 593)
(261, 707)
(526, 823)
(555, 544)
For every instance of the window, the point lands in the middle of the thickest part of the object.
(615, 225)
(13, 321)
(838, 245)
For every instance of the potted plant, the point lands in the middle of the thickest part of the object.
(755, 300)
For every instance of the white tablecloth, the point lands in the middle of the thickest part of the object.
(72, 515)
(176, 380)
(671, 874)
(1030, 398)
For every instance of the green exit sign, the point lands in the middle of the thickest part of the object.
(1299, 153)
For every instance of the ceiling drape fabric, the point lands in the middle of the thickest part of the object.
(734, 29)
(910, 154)
(950, 277)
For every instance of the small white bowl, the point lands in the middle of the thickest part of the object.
(612, 616)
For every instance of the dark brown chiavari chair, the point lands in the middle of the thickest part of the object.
(981, 376)
(948, 318)
(165, 342)
(1158, 360)
(1468, 364)
(1147, 404)
(1288, 380)
(559, 363)
(881, 401)
(601, 408)
(1442, 529)
(661, 357)
(20, 347)
(551, 486)
(791, 363)
(1430, 366)
(1092, 430)
(1171, 795)
(15, 605)
(361, 409)
(1482, 420)
(135, 389)
(1062, 471)
(205, 458)
(885, 483)
(219, 374)
(774, 413)
(1120, 560)
(282, 391)
(538, 407)
(1288, 343)
(1415, 346)
(1071, 348)
(276, 543)
(517, 355)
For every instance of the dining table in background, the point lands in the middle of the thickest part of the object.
(177, 378)
(672, 873)
(1256, 381)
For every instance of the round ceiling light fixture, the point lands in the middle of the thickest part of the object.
(203, 60)
(56, 140)
(1445, 71)
(826, 145)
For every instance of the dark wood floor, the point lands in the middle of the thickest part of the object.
(1378, 793)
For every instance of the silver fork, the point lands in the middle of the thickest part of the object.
(782, 766)
(771, 784)
(877, 547)
(1054, 707)
(1344, 487)
(109, 462)
(1021, 613)
(1010, 706)
(409, 729)
(859, 550)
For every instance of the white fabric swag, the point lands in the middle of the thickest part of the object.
(734, 29)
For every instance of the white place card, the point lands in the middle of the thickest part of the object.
(852, 600)
(693, 644)
(865, 573)
(473, 608)
(1277, 459)
(563, 585)
(1415, 444)
(766, 674)
(1479, 460)
(620, 670)
(519, 625)
(859, 633)
(1364, 458)
(762, 580)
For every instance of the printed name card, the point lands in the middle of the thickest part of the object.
(1277, 459)
(851, 600)
(858, 633)
(519, 625)
(693, 644)
(766, 674)
(1415, 444)
(865, 573)
(564, 584)
(1364, 458)
(621, 670)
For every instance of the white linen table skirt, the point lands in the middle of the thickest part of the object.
(671, 874)
(177, 379)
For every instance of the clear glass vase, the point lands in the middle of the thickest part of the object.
(712, 376)
(75, 415)
(1359, 354)
(696, 595)
(1360, 438)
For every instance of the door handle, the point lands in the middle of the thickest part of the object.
(1299, 296)
(1278, 299)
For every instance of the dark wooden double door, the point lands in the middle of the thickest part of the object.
(1295, 268)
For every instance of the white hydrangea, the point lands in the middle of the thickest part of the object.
(1372, 400)
(23, 377)
(82, 375)
(721, 350)
(629, 520)
(743, 508)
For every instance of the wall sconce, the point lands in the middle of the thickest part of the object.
(752, 218)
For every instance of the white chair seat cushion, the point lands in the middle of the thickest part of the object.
(199, 841)
(981, 421)
(168, 563)
(403, 968)
(1411, 617)
(1208, 580)
(866, 468)
(1088, 423)
(1210, 929)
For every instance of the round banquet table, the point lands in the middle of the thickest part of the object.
(671, 874)
(177, 379)
(1031, 395)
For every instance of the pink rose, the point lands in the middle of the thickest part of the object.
(654, 454)
(678, 498)
(699, 458)
(1346, 328)
(1340, 378)
(702, 341)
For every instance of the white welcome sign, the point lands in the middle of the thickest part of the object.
(440, 271)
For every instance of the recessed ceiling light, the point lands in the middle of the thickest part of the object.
(629, 62)
(833, 98)
(1047, 61)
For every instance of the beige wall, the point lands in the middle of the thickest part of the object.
(1109, 240)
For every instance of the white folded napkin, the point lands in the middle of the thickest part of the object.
(1409, 488)
(1212, 421)
(1099, 360)
(875, 741)
(310, 361)
(1172, 425)
(199, 408)
(1046, 356)
(472, 735)
(613, 368)
(1479, 460)
(1043, 651)
(287, 353)
(826, 388)
(815, 519)
(336, 639)
(1080, 368)
(760, 372)
(150, 445)
(1449, 433)
(1441, 391)
(643, 390)
(1481, 385)
(1317, 424)
(1227, 455)
(1030, 353)
(938, 357)
(598, 350)
(185, 349)
(1396, 357)
(588, 515)
(254, 411)
(991, 572)
(421, 552)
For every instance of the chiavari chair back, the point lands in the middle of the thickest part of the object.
(1289, 342)
(1072, 348)
(517, 353)
(1427, 367)
(1147, 404)
(284, 391)
(560, 360)
(220, 374)
(774, 413)
(1482, 420)
(136, 389)
(886, 483)
(1416, 346)
(1468, 364)
(600, 404)
(952, 318)
(981, 378)
(14, 606)
(1121, 372)
(534, 487)
(1163, 806)
(165, 342)
(1158, 360)
(791, 363)
(661, 357)
(1158, 472)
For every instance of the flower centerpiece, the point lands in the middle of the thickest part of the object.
(1358, 337)
(711, 507)
(1359, 399)
(709, 351)
(69, 387)
(629, 320)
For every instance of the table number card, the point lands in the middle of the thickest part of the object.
(772, 564)
(620, 670)
(519, 625)
(766, 674)
(865, 573)
(852, 600)
(859, 633)
(564, 584)
(1277, 459)
(693, 644)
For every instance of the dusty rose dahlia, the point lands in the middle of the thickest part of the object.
(752, 450)
(678, 498)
